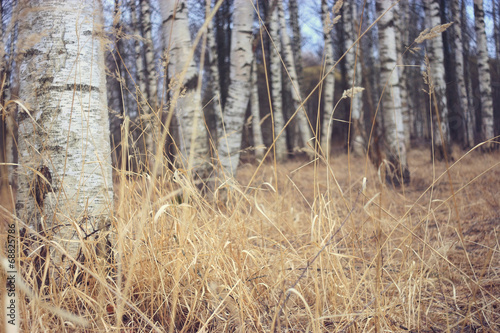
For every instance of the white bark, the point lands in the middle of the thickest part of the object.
(254, 104)
(459, 75)
(328, 83)
(294, 84)
(192, 145)
(401, 21)
(436, 57)
(398, 171)
(277, 86)
(353, 69)
(487, 129)
(239, 89)
(65, 131)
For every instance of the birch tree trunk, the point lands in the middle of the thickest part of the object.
(151, 79)
(353, 78)
(297, 38)
(401, 22)
(213, 68)
(192, 147)
(239, 89)
(254, 104)
(487, 127)
(64, 133)
(329, 82)
(277, 86)
(293, 83)
(397, 170)
(440, 126)
(460, 75)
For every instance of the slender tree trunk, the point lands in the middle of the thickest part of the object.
(277, 86)
(487, 126)
(401, 23)
(397, 171)
(151, 79)
(65, 134)
(441, 132)
(471, 112)
(292, 82)
(239, 90)
(192, 146)
(459, 75)
(297, 38)
(329, 82)
(353, 78)
(213, 68)
(254, 104)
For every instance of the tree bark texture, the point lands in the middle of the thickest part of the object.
(487, 129)
(328, 83)
(192, 147)
(397, 171)
(441, 132)
(239, 89)
(64, 131)
(277, 86)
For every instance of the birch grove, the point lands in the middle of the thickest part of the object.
(65, 188)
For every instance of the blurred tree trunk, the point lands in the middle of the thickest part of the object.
(192, 148)
(277, 86)
(487, 129)
(65, 135)
(151, 79)
(292, 82)
(239, 89)
(144, 111)
(254, 104)
(353, 78)
(441, 132)
(329, 82)
(471, 112)
(397, 170)
(401, 23)
(297, 38)
(213, 68)
(461, 103)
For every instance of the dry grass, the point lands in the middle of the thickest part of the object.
(402, 260)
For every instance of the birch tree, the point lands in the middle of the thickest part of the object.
(297, 37)
(183, 75)
(401, 22)
(239, 89)
(293, 83)
(277, 86)
(441, 132)
(397, 170)
(329, 81)
(353, 78)
(254, 104)
(65, 186)
(487, 127)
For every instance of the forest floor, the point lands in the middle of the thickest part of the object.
(423, 258)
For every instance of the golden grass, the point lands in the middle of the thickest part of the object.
(399, 262)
